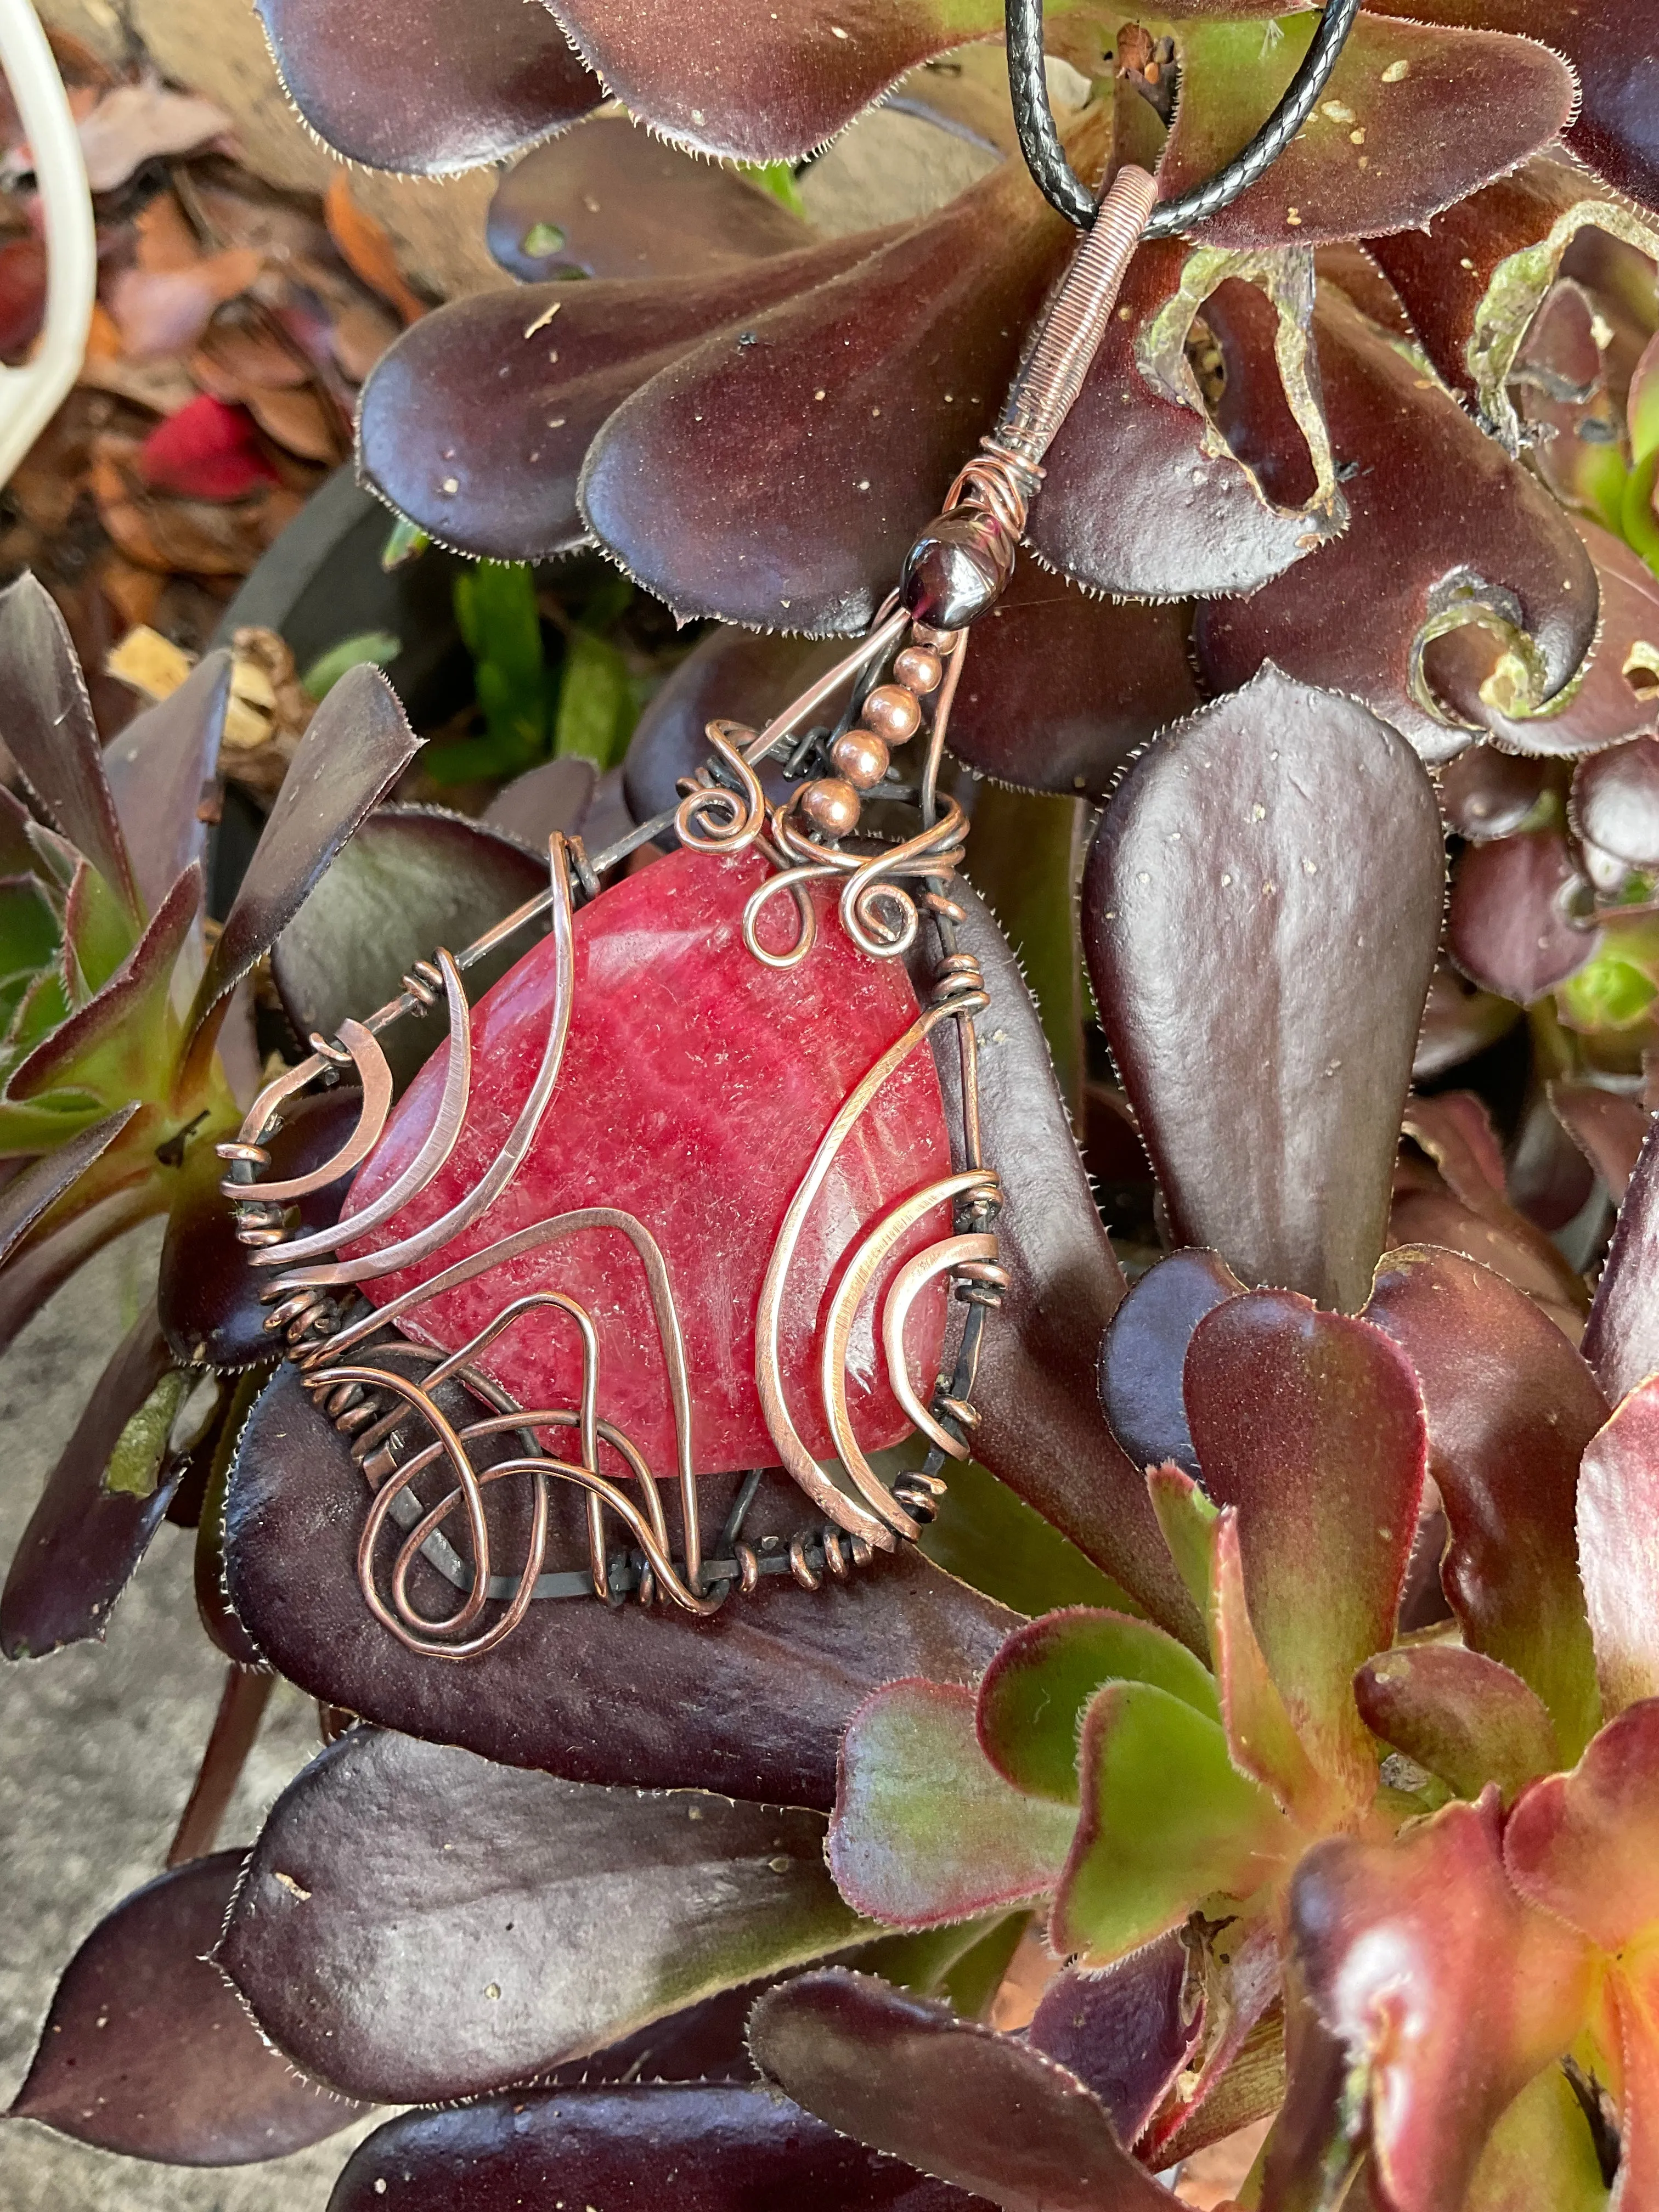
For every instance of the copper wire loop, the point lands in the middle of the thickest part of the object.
(717, 816)
(399, 1433)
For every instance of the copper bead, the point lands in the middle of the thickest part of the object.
(892, 713)
(861, 756)
(918, 670)
(832, 806)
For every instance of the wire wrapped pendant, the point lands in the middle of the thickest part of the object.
(523, 1265)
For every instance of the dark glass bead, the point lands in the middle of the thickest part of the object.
(955, 569)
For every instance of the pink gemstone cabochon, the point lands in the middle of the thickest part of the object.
(695, 1085)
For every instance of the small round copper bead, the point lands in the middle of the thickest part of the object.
(861, 756)
(918, 670)
(832, 804)
(892, 713)
(925, 633)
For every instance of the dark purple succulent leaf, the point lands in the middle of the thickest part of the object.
(1259, 916)
(113, 1197)
(423, 89)
(1142, 1357)
(474, 424)
(85, 1538)
(208, 1293)
(1608, 43)
(1126, 2033)
(1609, 1129)
(1511, 1405)
(1616, 1500)
(39, 1186)
(1458, 1022)
(1621, 1337)
(359, 742)
(194, 1463)
(1470, 672)
(110, 1046)
(729, 675)
(49, 730)
(950, 2096)
(1446, 530)
(1459, 1714)
(411, 879)
(759, 83)
(1401, 1944)
(610, 200)
(1511, 926)
(148, 2051)
(1061, 689)
(722, 2146)
(1615, 801)
(1144, 495)
(1551, 1182)
(752, 1703)
(1058, 690)
(1041, 1427)
(1415, 118)
(1425, 1212)
(1311, 1425)
(1472, 302)
(925, 1831)
(1455, 1131)
(161, 768)
(520, 1921)
(1484, 794)
(554, 796)
(855, 403)
(219, 1621)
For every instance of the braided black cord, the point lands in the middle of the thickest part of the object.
(1045, 157)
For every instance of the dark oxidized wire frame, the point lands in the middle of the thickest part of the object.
(903, 675)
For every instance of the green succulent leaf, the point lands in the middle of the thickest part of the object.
(40, 1124)
(925, 1831)
(1188, 1520)
(1167, 1821)
(98, 934)
(992, 1539)
(122, 1043)
(29, 933)
(597, 703)
(1032, 1699)
(1262, 1737)
(377, 648)
(1541, 2151)
(136, 1459)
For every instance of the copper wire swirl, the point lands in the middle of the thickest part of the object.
(872, 884)
(717, 818)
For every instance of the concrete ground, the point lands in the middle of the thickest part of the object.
(98, 1748)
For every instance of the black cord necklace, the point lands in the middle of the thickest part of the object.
(1061, 186)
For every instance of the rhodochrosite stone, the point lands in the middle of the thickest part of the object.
(695, 1085)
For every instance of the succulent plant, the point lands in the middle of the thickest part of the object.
(1281, 1672)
